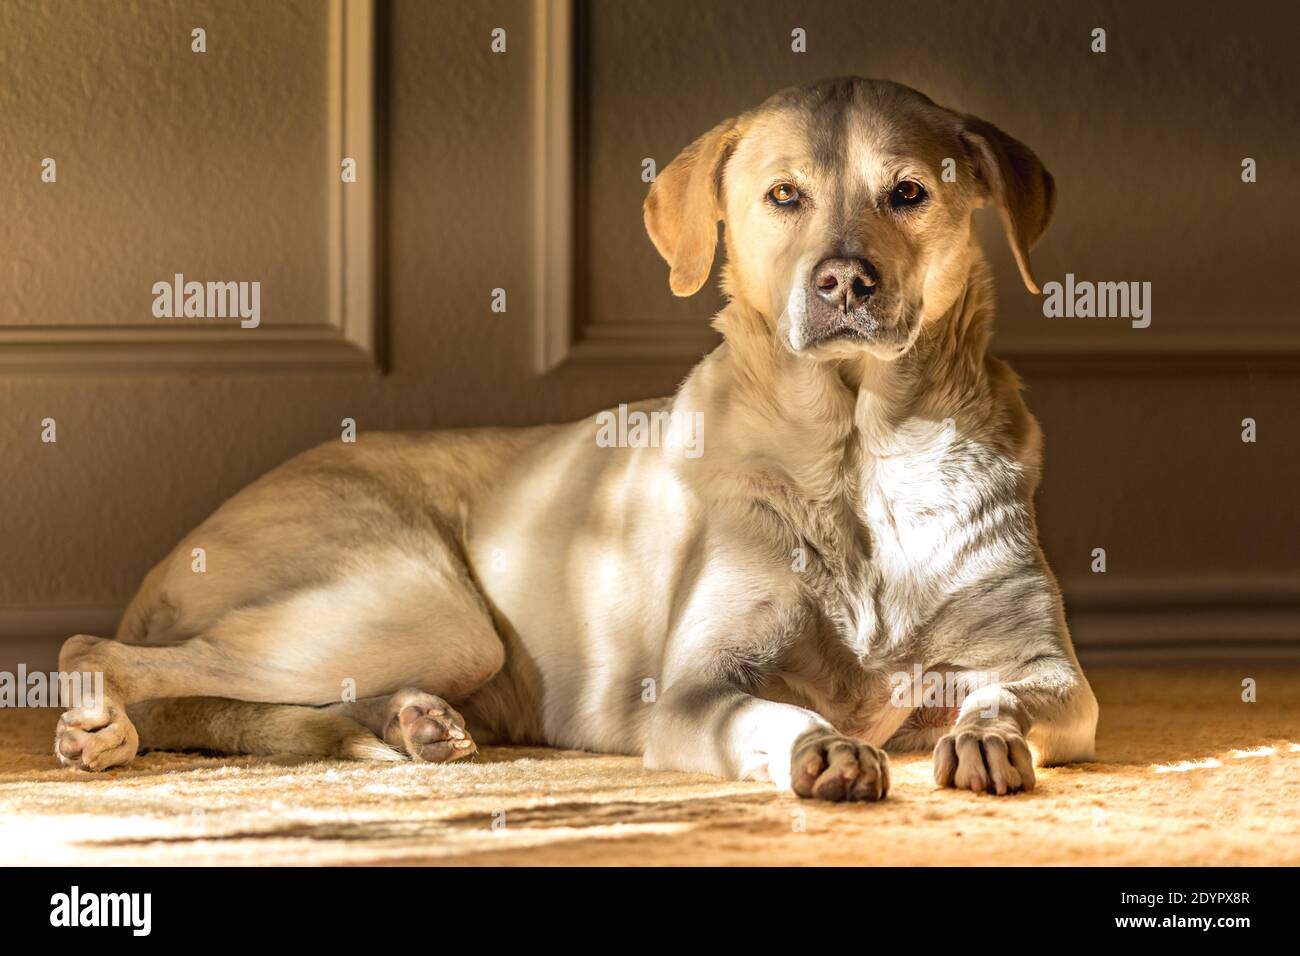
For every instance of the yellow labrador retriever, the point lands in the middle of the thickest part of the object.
(827, 541)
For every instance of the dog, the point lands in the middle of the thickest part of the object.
(861, 508)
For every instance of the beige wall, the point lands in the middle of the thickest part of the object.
(218, 165)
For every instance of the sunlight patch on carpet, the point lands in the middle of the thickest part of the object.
(1183, 766)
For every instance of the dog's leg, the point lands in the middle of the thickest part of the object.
(229, 726)
(716, 728)
(1039, 696)
(411, 721)
(988, 747)
(308, 648)
(102, 735)
(709, 717)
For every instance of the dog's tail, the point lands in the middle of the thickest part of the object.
(240, 727)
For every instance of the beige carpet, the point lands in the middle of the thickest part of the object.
(1186, 774)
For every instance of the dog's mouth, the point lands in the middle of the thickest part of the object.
(868, 330)
(882, 326)
(886, 336)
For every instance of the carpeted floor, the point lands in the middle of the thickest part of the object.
(1187, 773)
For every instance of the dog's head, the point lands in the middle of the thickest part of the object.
(847, 207)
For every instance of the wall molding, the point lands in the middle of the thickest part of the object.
(1081, 351)
(354, 207)
(348, 338)
(1208, 618)
(553, 186)
(33, 635)
(562, 335)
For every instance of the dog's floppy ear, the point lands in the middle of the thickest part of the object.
(684, 206)
(1016, 180)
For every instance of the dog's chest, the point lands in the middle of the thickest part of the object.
(906, 523)
(884, 562)
(912, 504)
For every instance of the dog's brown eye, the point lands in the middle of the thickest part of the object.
(907, 193)
(783, 194)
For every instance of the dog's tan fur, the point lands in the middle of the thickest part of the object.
(864, 504)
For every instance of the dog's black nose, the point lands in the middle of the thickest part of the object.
(844, 283)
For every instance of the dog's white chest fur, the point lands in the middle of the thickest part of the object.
(913, 482)
(913, 488)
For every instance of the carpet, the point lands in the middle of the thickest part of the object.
(1186, 774)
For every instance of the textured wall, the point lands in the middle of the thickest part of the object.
(142, 458)
(165, 156)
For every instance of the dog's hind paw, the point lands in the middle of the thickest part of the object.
(96, 738)
(427, 728)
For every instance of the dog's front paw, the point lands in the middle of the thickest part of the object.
(992, 759)
(829, 766)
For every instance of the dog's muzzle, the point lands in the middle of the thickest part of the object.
(844, 302)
